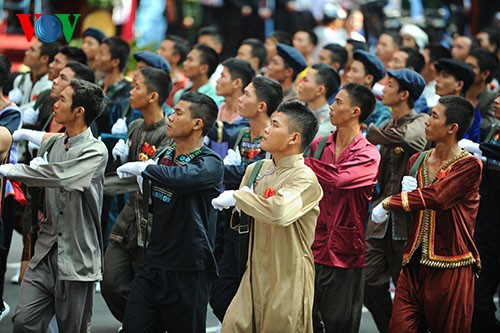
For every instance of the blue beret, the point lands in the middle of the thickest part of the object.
(409, 80)
(458, 69)
(153, 60)
(373, 65)
(94, 33)
(292, 57)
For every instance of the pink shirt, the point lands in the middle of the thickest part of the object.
(348, 183)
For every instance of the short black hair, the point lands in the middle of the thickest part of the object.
(328, 77)
(362, 97)
(89, 96)
(300, 119)
(5, 67)
(493, 36)
(282, 37)
(337, 54)
(181, 47)
(81, 71)
(49, 49)
(313, 38)
(357, 45)
(487, 61)
(213, 32)
(268, 91)
(74, 54)
(259, 50)
(119, 49)
(411, 100)
(239, 69)
(159, 81)
(202, 107)
(460, 111)
(396, 38)
(208, 56)
(415, 60)
(437, 51)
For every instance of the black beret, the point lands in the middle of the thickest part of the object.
(373, 65)
(153, 60)
(409, 80)
(458, 69)
(292, 57)
(94, 33)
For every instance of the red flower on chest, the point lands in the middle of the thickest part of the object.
(269, 192)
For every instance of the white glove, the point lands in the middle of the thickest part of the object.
(246, 189)
(16, 96)
(28, 135)
(119, 127)
(233, 157)
(120, 151)
(408, 184)
(30, 116)
(4, 169)
(379, 214)
(225, 200)
(132, 168)
(32, 147)
(470, 146)
(37, 161)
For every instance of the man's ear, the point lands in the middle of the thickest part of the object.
(296, 138)
(453, 128)
(153, 98)
(44, 59)
(115, 63)
(369, 79)
(198, 124)
(204, 69)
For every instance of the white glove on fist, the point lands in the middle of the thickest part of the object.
(470, 146)
(233, 157)
(225, 200)
(28, 135)
(119, 127)
(4, 169)
(408, 184)
(133, 168)
(37, 161)
(379, 214)
(30, 116)
(120, 151)
(16, 96)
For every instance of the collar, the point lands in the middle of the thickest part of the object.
(78, 139)
(156, 125)
(290, 161)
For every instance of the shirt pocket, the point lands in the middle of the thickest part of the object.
(344, 241)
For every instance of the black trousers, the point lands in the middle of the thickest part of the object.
(170, 301)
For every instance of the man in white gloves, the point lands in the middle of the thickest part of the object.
(283, 207)
(61, 276)
(261, 98)
(179, 256)
(399, 139)
(440, 250)
(146, 136)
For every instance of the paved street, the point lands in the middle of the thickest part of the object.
(103, 321)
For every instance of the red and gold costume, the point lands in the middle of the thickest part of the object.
(440, 248)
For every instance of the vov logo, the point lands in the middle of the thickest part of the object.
(48, 28)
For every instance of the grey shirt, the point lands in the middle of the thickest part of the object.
(73, 182)
(323, 116)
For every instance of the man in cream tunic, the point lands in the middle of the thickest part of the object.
(277, 289)
(61, 275)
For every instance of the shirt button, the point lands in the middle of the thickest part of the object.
(60, 234)
(328, 213)
(61, 213)
(329, 192)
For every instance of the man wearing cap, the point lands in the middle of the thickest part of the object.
(399, 139)
(284, 68)
(455, 78)
(366, 69)
(92, 39)
(320, 83)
